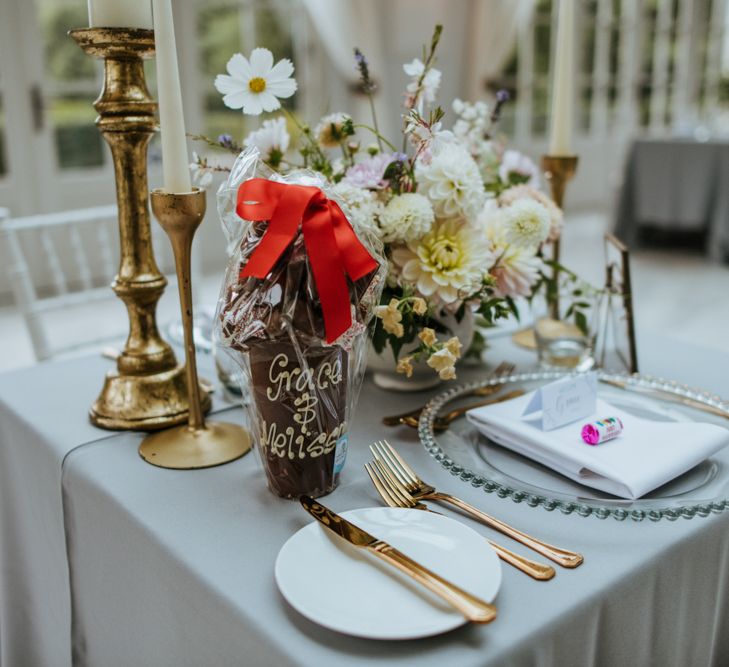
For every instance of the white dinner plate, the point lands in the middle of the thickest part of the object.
(346, 589)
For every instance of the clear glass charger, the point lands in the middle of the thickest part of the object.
(475, 460)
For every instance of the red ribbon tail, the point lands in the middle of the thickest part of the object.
(356, 258)
(328, 270)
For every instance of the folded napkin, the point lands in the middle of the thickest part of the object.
(646, 455)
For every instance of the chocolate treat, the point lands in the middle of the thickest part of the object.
(300, 397)
(302, 371)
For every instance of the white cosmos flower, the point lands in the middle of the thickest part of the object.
(255, 86)
(272, 140)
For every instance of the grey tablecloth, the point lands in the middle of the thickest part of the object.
(176, 567)
(676, 184)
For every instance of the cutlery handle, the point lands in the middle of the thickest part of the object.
(473, 608)
(533, 568)
(560, 556)
(454, 414)
(396, 420)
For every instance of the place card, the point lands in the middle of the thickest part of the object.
(564, 401)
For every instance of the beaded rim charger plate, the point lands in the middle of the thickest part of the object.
(475, 460)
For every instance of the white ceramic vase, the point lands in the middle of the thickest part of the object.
(383, 364)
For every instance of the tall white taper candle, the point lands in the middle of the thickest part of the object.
(175, 163)
(560, 137)
(120, 14)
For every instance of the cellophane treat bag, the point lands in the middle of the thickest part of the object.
(294, 311)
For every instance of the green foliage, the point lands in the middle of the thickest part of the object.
(572, 291)
(477, 348)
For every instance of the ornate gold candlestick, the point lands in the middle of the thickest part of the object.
(147, 390)
(558, 170)
(195, 445)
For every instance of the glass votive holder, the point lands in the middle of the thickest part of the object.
(566, 332)
(563, 345)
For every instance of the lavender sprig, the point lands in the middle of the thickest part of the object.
(369, 87)
(224, 141)
(502, 97)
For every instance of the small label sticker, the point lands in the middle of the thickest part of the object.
(563, 401)
(340, 453)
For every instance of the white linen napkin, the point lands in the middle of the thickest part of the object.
(646, 455)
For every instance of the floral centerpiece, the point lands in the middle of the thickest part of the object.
(461, 217)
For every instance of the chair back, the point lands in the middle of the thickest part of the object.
(62, 264)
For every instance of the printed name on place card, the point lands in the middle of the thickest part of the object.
(564, 401)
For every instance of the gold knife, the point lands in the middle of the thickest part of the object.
(473, 608)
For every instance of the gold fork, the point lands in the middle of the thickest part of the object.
(395, 495)
(504, 368)
(420, 490)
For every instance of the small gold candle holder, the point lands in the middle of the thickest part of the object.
(558, 170)
(196, 445)
(146, 390)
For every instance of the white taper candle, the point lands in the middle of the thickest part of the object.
(118, 14)
(175, 163)
(560, 136)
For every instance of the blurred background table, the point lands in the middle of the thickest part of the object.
(676, 185)
(109, 561)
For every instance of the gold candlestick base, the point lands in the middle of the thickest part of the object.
(147, 389)
(196, 445)
(184, 448)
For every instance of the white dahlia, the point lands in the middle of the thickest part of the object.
(526, 223)
(516, 271)
(556, 218)
(452, 182)
(448, 263)
(516, 267)
(406, 217)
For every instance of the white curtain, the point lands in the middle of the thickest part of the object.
(494, 26)
(478, 37)
(341, 26)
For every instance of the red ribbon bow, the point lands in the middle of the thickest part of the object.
(333, 248)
